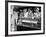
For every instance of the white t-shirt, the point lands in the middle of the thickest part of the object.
(37, 15)
(15, 16)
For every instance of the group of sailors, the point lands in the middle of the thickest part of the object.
(30, 14)
(24, 14)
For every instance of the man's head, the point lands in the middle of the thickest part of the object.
(14, 12)
(29, 10)
(37, 10)
(20, 10)
(25, 10)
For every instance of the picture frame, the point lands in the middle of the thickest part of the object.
(22, 4)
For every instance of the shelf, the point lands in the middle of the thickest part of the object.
(30, 26)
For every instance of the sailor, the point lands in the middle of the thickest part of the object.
(25, 13)
(37, 13)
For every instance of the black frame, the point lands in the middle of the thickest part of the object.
(6, 17)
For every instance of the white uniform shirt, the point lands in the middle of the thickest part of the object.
(26, 14)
